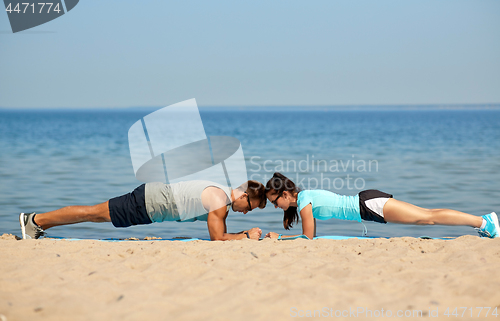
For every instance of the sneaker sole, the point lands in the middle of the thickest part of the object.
(23, 227)
(495, 222)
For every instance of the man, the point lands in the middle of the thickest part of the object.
(157, 202)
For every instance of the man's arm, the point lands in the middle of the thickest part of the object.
(217, 228)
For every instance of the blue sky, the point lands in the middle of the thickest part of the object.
(255, 53)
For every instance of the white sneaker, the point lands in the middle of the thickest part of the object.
(28, 226)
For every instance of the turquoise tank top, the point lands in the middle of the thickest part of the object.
(327, 205)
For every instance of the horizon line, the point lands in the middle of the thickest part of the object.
(476, 106)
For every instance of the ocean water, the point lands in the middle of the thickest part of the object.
(431, 158)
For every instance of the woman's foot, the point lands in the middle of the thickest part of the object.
(491, 229)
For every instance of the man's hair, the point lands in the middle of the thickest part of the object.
(257, 191)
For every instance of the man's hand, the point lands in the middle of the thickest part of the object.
(254, 233)
(272, 235)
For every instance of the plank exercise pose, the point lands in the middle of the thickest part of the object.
(370, 205)
(157, 202)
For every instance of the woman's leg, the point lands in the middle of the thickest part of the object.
(73, 214)
(404, 213)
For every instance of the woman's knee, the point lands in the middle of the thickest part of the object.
(425, 220)
(429, 217)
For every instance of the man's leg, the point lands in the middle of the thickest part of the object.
(73, 214)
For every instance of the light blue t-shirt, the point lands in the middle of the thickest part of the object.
(327, 205)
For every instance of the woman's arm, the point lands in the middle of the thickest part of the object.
(308, 225)
(308, 222)
(273, 235)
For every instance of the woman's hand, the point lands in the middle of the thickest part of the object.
(272, 235)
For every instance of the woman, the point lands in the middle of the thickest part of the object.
(370, 205)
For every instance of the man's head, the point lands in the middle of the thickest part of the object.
(249, 196)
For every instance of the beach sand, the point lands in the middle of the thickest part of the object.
(51, 279)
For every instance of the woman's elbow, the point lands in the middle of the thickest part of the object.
(309, 235)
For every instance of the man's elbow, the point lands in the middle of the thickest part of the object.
(218, 238)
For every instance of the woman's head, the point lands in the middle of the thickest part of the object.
(281, 191)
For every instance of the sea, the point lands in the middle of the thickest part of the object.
(433, 158)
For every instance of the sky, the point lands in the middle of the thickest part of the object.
(129, 53)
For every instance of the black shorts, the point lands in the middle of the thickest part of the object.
(129, 209)
(366, 213)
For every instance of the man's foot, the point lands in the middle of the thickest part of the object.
(28, 226)
(491, 229)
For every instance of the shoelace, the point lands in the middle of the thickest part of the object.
(38, 234)
(483, 233)
(38, 231)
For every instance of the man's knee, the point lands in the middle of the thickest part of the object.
(99, 213)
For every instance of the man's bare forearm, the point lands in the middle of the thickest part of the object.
(232, 236)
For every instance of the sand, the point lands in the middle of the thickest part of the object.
(51, 279)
